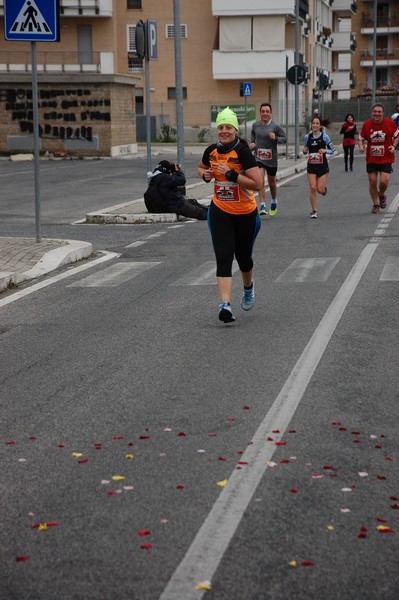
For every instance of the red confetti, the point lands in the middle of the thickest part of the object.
(33, 437)
(357, 441)
(181, 434)
(387, 457)
(221, 458)
(327, 467)
(361, 535)
(143, 532)
(112, 492)
(240, 452)
(378, 446)
(363, 529)
(270, 439)
(11, 443)
(83, 461)
(394, 505)
(22, 558)
(61, 446)
(118, 437)
(146, 546)
(144, 437)
(381, 520)
(130, 444)
(52, 524)
(245, 407)
(284, 461)
(294, 490)
(307, 563)
(393, 497)
(231, 418)
(280, 443)
(381, 477)
(292, 431)
(343, 429)
(275, 431)
(180, 487)
(355, 432)
(211, 434)
(336, 423)
(242, 462)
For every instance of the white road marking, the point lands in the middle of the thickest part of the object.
(207, 550)
(115, 274)
(390, 272)
(309, 270)
(205, 274)
(42, 284)
(136, 244)
(155, 235)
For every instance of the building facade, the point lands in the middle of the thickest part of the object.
(92, 83)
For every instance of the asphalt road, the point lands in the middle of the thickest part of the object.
(147, 449)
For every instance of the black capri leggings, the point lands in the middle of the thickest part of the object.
(232, 235)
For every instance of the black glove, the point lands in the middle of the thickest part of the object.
(232, 176)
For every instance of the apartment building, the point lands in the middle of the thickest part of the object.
(92, 83)
(386, 27)
(343, 49)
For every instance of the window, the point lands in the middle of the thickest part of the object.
(134, 62)
(133, 3)
(170, 31)
(172, 93)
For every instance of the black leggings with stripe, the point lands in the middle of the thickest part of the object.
(232, 235)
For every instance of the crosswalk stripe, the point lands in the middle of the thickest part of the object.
(390, 272)
(308, 270)
(115, 275)
(205, 274)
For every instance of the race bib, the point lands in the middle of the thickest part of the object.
(227, 192)
(315, 158)
(377, 150)
(264, 154)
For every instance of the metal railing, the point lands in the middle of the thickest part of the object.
(54, 62)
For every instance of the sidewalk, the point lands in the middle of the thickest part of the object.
(23, 259)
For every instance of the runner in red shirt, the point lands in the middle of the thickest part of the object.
(382, 137)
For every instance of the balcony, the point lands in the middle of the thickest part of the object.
(342, 6)
(254, 65)
(344, 41)
(57, 62)
(341, 80)
(385, 25)
(234, 8)
(76, 8)
(384, 58)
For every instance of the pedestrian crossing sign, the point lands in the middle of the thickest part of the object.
(32, 20)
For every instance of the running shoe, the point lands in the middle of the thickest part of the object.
(225, 313)
(273, 208)
(383, 201)
(375, 209)
(313, 214)
(248, 298)
(263, 210)
(325, 192)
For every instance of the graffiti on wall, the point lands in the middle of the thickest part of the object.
(65, 112)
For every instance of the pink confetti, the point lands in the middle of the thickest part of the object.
(143, 532)
(146, 546)
(280, 443)
(246, 407)
(21, 558)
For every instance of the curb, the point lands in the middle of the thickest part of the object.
(119, 215)
(71, 252)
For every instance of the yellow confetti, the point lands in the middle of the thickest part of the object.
(222, 483)
(117, 477)
(293, 563)
(129, 456)
(383, 528)
(77, 454)
(42, 527)
(203, 585)
(330, 527)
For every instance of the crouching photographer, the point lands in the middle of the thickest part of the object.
(165, 193)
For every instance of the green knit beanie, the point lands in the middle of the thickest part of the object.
(227, 117)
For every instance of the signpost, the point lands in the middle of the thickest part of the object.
(246, 91)
(33, 21)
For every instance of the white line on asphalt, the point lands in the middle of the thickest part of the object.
(155, 235)
(206, 551)
(42, 284)
(135, 244)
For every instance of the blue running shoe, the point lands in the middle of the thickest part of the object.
(262, 210)
(248, 298)
(225, 313)
(273, 208)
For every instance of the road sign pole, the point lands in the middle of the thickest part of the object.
(36, 141)
(245, 104)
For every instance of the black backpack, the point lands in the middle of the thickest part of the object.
(153, 199)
